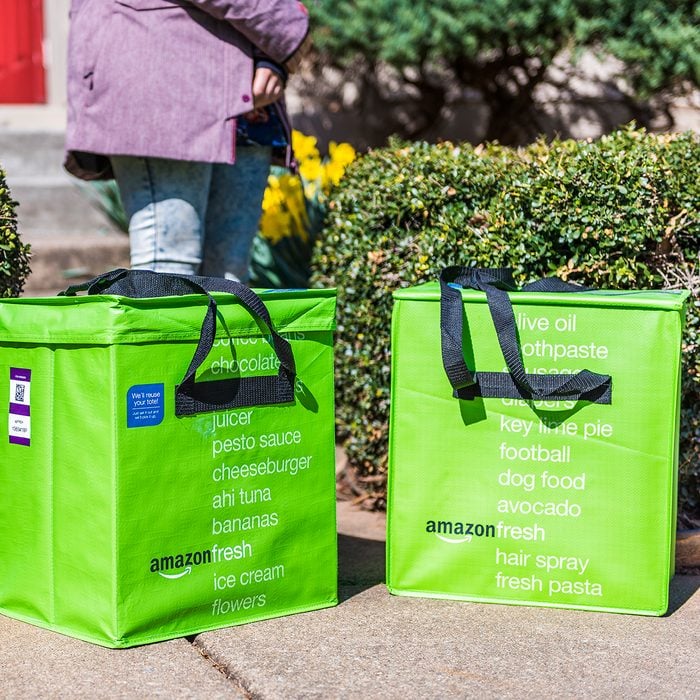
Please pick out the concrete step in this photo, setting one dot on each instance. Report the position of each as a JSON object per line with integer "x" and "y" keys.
{"x": 50, "y": 201}
{"x": 31, "y": 153}
{"x": 59, "y": 261}
{"x": 71, "y": 238}
{"x": 55, "y": 207}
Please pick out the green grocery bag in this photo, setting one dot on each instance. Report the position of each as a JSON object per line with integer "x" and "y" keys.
{"x": 533, "y": 443}
{"x": 170, "y": 461}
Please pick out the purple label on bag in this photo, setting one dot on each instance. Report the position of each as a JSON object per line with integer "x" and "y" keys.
{"x": 19, "y": 422}
{"x": 21, "y": 375}
{"x": 14, "y": 440}
{"x": 145, "y": 405}
{"x": 19, "y": 409}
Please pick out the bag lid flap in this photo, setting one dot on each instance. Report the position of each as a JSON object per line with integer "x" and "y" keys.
{"x": 661, "y": 299}
{"x": 109, "y": 319}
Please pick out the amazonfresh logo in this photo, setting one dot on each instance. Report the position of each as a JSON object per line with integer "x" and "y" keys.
{"x": 458, "y": 532}
{"x": 174, "y": 566}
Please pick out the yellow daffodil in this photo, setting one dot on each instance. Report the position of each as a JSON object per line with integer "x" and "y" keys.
{"x": 304, "y": 146}
{"x": 341, "y": 153}
{"x": 287, "y": 197}
{"x": 274, "y": 226}
{"x": 334, "y": 172}
{"x": 310, "y": 190}
{"x": 311, "y": 169}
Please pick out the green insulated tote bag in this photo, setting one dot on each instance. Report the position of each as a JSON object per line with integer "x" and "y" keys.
{"x": 533, "y": 443}
{"x": 169, "y": 464}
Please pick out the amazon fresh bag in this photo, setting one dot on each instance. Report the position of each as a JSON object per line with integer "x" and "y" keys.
{"x": 533, "y": 443}
{"x": 169, "y": 463}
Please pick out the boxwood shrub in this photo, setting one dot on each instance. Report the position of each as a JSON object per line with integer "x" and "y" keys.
{"x": 621, "y": 212}
{"x": 14, "y": 255}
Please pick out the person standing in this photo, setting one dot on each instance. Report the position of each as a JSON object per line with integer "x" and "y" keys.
{"x": 181, "y": 101}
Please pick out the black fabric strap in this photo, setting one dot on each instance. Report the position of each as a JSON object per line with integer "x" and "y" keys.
{"x": 197, "y": 397}
{"x": 502, "y": 386}
{"x": 496, "y": 283}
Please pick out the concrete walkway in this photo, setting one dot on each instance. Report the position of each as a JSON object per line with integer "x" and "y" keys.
{"x": 374, "y": 645}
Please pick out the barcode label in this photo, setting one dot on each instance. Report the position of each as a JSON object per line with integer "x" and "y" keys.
{"x": 19, "y": 393}
{"x": 19, "y": 424}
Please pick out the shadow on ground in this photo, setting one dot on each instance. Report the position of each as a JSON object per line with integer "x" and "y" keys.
{"x": 361, "y": 564}
{"x": 682, "y": 590}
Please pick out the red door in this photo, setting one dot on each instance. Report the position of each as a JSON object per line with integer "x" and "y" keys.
{"x": 21, "y": 55}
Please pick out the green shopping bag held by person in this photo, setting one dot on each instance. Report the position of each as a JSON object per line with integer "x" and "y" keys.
{"x": 534, "y": 442}
{"x": 169, "y": 466}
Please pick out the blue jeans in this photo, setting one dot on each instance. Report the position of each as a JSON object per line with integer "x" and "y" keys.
{"x": 193, "y": 218}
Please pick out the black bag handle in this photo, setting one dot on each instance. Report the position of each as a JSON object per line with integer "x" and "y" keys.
{"x": 197, "y": 397}
{"x": 516, "y": 383}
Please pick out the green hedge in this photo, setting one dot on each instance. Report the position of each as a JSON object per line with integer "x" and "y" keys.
{"x": 14, "y": 255}
{"x": 622, "y": 212}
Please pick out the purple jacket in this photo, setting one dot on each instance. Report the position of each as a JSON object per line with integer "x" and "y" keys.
{"x": 167, "y": 78}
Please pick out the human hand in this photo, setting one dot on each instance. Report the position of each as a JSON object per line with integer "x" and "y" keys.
{"x": 268, "y": 87}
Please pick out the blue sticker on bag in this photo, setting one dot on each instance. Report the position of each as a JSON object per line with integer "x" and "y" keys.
{"x": 145, "y": 405}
